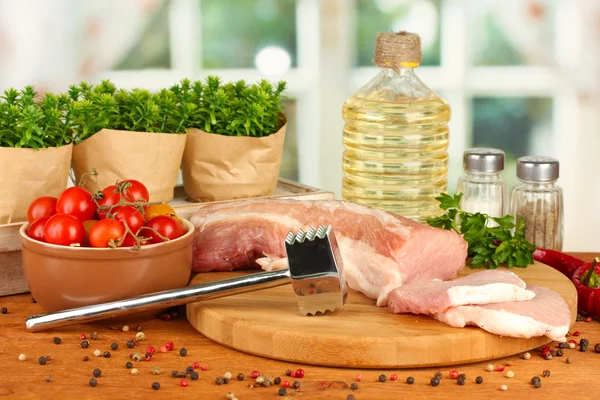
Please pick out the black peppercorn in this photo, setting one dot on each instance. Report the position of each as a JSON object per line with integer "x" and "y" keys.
{"x": 85, "y": 358}
{"x": 97, "y": 373}
{"x": 130, "y": 344}
{"x": 155, "y": 385}
{"x": 174, "y": 374}
{"x": 553, "y": 352}
{"x": 537, "y": 384}
{"x": 382, "y": 378}
{"x": 265, "y": 383}
{"x": 85, "y": 344}
{"x": 282, "y": 391}
{"x": 183, "y": 352}
{"x": 579, "y": 318}
{"x": 226, "y": 381}
{"x": 181, "y": 374}
{"x": 106, "y": 354}
{"x": 410, "y": 380}
{"x": 597, "y": 348}
{"x": 288, "y": 372}
{"x": 128, "y": 365}
{"x": 461, "y": 379}
{"x": 350, "y": 397}
{"x": 94, "y": 335}
{"x": 296, "y": 385}
{"x": 42, "y": 360}
{"x": 438, "y": 376}
{"x": 546, "y": 373}
{"x": 138, "y": 328}
{"x": 583, "y": 345}
{"x": 559, "y": 353}
{"x": 114, "y": 346}
{"x": 240, "y": 377}
{"x": 194, "y": 375}
{"x": 57, "y": 340}
{"x": 189, "y": 370}
{"x": 4, "y": 310}
{"x": 479, "y": 380}
{"x": 277, "y": 380}
{"x": 219, "y": 380}
{"x": 563, "y": 345}
{"x": 354, "y": 386}
{"x": 535, "y": 379}
{"x": 93, "y": 382}
{"x": 148, "y": 356}
{"x": 434, "y": 381}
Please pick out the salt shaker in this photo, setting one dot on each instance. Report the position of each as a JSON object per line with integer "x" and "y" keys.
{"x": 538, "y": 201}
{"x": 482, "y": 186}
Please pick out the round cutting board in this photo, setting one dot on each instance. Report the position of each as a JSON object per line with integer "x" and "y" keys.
{"x": 361, "y": 335}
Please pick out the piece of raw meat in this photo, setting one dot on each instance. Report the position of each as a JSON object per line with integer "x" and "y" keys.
{"x": 547, "y": 314}
{"x": 381, "y": 251}
{"x": 433, "y": 297}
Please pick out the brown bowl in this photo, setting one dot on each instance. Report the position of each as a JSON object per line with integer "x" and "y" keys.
{"x": 62, "y": 277}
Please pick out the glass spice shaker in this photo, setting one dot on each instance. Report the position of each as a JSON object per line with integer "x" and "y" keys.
{"x": 538, "y": 201}
{"x": 482, "y": 186}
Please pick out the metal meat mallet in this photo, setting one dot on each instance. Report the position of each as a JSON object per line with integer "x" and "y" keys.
{"x": 315, "y": 271}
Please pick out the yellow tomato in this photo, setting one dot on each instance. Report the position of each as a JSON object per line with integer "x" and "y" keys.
{"x": 154, "y": 210}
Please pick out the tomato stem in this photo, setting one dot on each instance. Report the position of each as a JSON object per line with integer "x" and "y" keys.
{"x": 164, "y": 238}
{"x": 92, "y": 172}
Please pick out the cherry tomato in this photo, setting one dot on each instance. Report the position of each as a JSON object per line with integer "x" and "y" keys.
{"x": 110, "y": 197}
{"x": 154, "y": 210}
{"x": 64, "y": 229}
{"x": 78, "y": 202}
{"x": 44, "y": 206}
{"x": 137, "y": 190}
{"x": 35, "y": 230}
{"x": 105, "y": 230}
{"x": 134, "y": 219}
{"x": 166, "y": 226}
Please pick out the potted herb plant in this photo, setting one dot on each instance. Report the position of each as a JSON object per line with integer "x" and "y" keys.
{"x": 131, "y": 134}
{"x": 235, "y": 140}
{"x": 35, "y": 149}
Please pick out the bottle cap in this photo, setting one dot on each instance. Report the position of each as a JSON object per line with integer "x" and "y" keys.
{"x": 483, "y": 160}
{"x": 537, "y": 168}
{"x": 393, "y": 48}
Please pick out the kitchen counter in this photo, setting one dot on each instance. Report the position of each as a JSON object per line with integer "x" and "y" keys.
{"x": 70, "y": 374}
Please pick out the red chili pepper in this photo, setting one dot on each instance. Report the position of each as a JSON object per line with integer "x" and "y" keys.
{"x": 561, "y": 262}
{"x": 588, "y": 298}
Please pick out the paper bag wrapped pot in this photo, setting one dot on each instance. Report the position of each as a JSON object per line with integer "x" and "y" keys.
{"x": 218, "y": 167}
{"x": 26, "y": 174}
{"x": 152, "y": 158}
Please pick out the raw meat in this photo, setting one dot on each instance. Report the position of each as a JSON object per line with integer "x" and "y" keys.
{"x": 547, "y": 314}
{"x": 380, "y": 251}
{"x": 433, "y": 297}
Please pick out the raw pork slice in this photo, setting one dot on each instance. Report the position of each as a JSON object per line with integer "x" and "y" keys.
{"x": 380, "y": 251}
{"x": 433, "y": 297}
{"x": 547, "y": 314}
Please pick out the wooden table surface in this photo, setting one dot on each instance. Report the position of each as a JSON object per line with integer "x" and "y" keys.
{"x": 70, "y": 374}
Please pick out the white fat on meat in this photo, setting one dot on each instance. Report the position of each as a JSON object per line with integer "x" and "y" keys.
{"x": 433, "y": 297}
{"x": 547, "y": 314}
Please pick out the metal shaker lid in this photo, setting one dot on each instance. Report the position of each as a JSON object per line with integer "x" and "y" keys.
{"x": 483, "y": 160}
{"x": 537, "y": 168}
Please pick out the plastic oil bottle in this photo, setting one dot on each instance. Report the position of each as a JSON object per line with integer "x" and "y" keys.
{"x": 396, "y": 135}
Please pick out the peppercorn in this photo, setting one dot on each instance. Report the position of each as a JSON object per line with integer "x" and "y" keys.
{"x": 4, "y": 310}
{"x": 265, "y": 383}
{"x": 106, "y": 354}
{"x": 479, "y": 380}
{"x": 94, "y": 335}
{"x": 22, "y": 357}
{"x": 288, "y": 372}
{"x": 438, "y": 376}
{"x": 194, "y": 375}
{"x": 359, "y": 377}
{"x": 277, "y": 381}
{"x": 282, "y": 391}
{"x": 85, "y": 344}
{"x": 583, "y": 345}
{"x": 183, "y": 383}
{"x": 48, "y": 378}
{"x": 571, "y": 345}
{"x": 57, "y": 340}
{"x": 510, "y": 374}
{"x": 240, "y": 377}
{"x": 137, "y": 356}
{"x": 125, "y": 328}
{"x": 490, "y": 367}
{"x": 227, "y": 375}
{"x": 504, "y": 388}
{"x": 140, "y": 336}
{"x": 42, "y": 360}
{"x": 410, "y": 380}
{"x": 85, "y": 358}
{"x": 219, "y": 380}
{"x": 559, "y": 353}
{"x": 597, "y": 348}
{"x": 254, "y": 374}
{"x": 170, "y": 346}
{"x": 393, "y": 377}
{"x": 526, "y": 356}
{"x": 93, "y": 382}
{"x": 134, "y": 371}
{"x": 569, "y": 360}
{"x": 537, "y": 384}
{"x": 563, "y": 345}
{"x": 130, "y": 344}
{"x": 462, "y": 376}
{"x": 461, "y": 379}
{"x": 354, "y": 386}
{"x": 97, "y": 373}
{"x": 350, "y": 397}
{"x": 138, "y": 328}
{"x": 546, "y": 373}
{"x": 155, "y": 385}
{"x": 225, "y": 380}
{"x": 548, "y": 356}
{"x": 535, "y": 379}
{"x": 382, "y": 378}
{"x": 434, "y": 381}
{"x": 588, "y": 319}
{"x": 97, "y": 353}
{"x": 553, "y": 352}
{"x": 114, "y": 346}
{"x": 183, "y": 352}
{"x": 296, "y": 385}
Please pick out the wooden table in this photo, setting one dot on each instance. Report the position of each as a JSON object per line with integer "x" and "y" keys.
{"x": 70, "y": 374}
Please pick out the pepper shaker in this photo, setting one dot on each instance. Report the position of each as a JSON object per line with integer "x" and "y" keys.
{"x": 538, "y": 200}
{"x": 482, "y": 186}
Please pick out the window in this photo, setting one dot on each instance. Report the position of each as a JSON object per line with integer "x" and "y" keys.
{"x": 501, "y": 65}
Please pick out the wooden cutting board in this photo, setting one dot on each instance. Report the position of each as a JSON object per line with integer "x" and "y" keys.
{"x": 361, "y": 335}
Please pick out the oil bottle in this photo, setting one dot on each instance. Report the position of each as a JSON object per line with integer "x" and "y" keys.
{"x": 396, "y": 135}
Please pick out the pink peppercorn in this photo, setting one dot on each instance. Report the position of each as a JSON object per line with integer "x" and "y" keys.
{"x": 285, "y": 384}
{"x": 393, "y": 377}
{"x": 82, "y": 336}
{"x": 196, "y": 364}
{"x": 170, "y": 346}
{"x": 588, "y": 319}
{"x": 183, "y": 383}
{"x": 293, "y": 374}
{"x": 163, "y": 349}
{"x": 204, "y": 367}
{"x": 254, "y": 374}
{"x": 151, "y": 350}
{"x": 299, "y": 373}
{"x": 576, "y": 333}
{"x": 359, "y": 377}
{"x": 323, "y": 384}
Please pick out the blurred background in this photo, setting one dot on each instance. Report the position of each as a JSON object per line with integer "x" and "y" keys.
{"x": 520, "y": 75}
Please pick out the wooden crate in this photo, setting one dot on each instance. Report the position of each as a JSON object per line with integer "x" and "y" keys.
{"x": 12, "y": 280}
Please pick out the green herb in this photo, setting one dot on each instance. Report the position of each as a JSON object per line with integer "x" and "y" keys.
{"x": 488, "y": 246}
{"x": 591, "y": 278}
{"x": 27, "y": 123}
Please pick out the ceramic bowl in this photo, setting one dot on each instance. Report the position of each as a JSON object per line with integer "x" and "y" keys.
{"x": 62, "y": 277}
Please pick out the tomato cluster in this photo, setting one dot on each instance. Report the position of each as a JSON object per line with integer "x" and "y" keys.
{"x": 118, "y": 216}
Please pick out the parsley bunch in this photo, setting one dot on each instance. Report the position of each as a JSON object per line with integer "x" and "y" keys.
{"x": 488, "y": 246}
{"x": 28, "y": 123}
